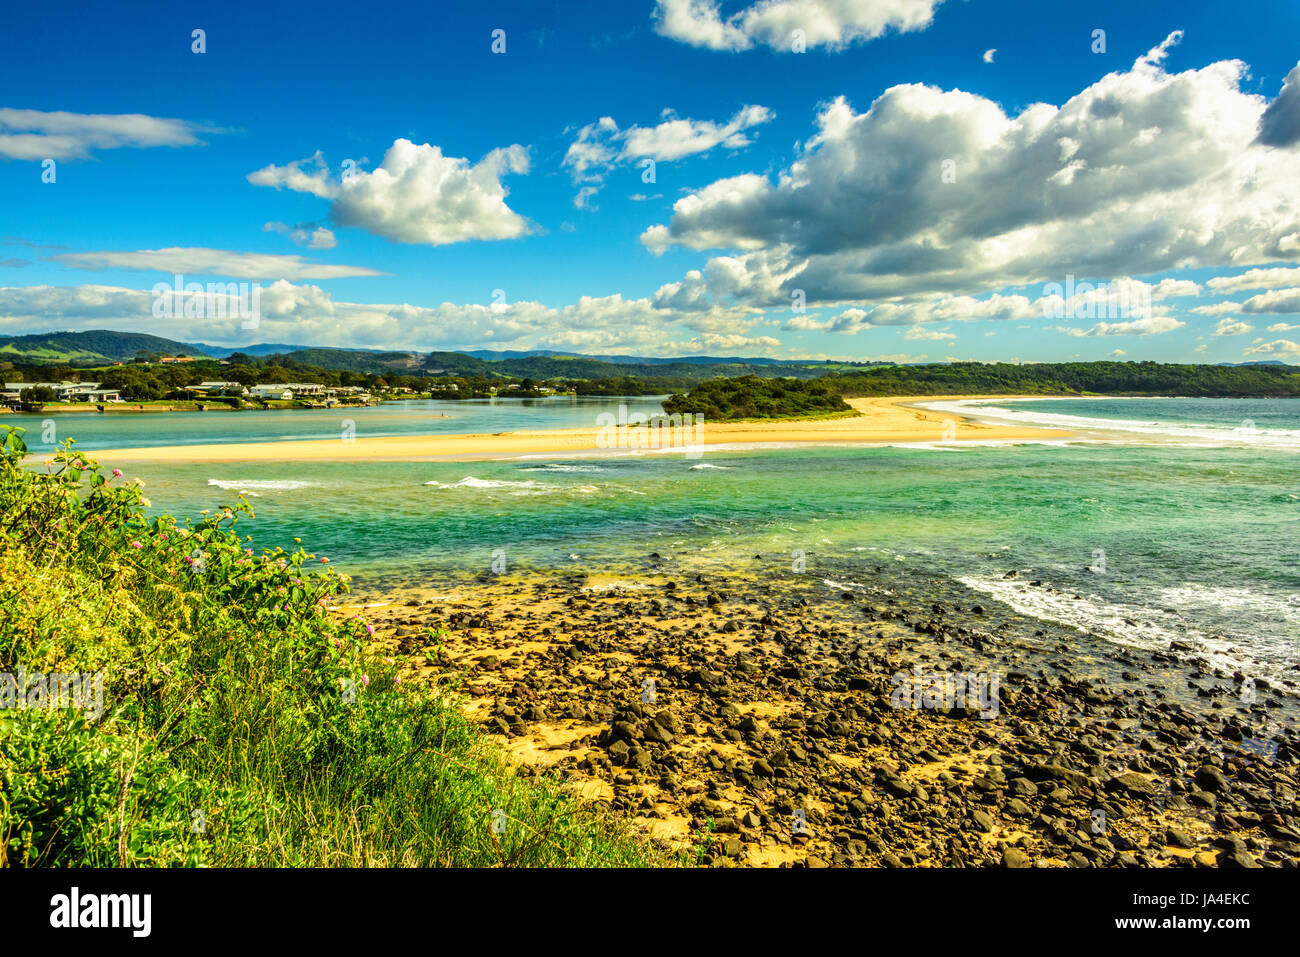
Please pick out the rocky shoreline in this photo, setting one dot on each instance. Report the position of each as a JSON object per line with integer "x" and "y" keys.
{"x": 769, "y": 719}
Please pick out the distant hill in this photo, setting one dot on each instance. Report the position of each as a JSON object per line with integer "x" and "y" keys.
{"x": 1261, "y": 362}
{"x": 101, "y": 347}
{"x": 89, "y": 348}
{"x": 493, "y": 354}
{"x": 258, "y": 349}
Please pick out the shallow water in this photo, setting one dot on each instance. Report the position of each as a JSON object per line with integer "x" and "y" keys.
{"x": 415, "y": 417}
{"x": 1136, "y": 544}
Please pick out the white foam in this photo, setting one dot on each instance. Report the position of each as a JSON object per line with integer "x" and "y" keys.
{"x": 1186, "y": 434}
{"x": 246, "y": 486}
{"x": 1140, "y": 626}
{"x": 562, "y": 468}
{"x": 528, "y": 487}
{"x": 1212, "y": 596}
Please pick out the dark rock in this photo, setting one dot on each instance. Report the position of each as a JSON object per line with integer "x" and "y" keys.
{"x": 1015, "y": 857}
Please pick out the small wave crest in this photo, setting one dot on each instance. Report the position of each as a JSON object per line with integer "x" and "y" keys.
{"x": 527, "y": 487}
{"x": 254, "y": 487}
{"x": 1134, "y": 625}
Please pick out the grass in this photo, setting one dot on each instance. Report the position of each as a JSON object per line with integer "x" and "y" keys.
{"x": 243, "y": 723}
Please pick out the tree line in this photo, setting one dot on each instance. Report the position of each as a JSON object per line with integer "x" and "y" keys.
{"x": 751, "y": 397}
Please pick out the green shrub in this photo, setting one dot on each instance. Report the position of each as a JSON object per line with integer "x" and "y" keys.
{"x": 243, "y": 723}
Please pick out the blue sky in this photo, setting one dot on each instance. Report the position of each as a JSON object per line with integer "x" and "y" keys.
{"x": 888, "y": 176}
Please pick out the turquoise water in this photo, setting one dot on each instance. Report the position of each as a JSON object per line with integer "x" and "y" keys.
{"x": 415, "y": 417}
{"x": 1262, "y": 422}
{"x": 1137, "y": 544}
{"x": 1229, "y": 413}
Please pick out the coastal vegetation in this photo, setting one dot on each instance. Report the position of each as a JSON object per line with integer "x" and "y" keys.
{"x": 751, "y": 397}
{"x": 1071, "y": 378}
{"x": 238, "y": 720}
{"x": 146, "y": 368}
{"x": 721, "y": 388}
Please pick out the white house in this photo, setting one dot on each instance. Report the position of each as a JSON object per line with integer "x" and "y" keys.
{"x": 221, "y": 388}
{"x": 83, "y": 394}
{"x": 272, "y": 391}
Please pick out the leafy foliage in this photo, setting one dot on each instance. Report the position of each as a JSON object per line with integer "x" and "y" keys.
{"x": 750, "y": 397}
{"x": 232, "y": 696}
{"x": 1101, "y": 378}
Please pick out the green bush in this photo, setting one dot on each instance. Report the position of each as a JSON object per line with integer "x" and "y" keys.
{"x": 243, "y": 722}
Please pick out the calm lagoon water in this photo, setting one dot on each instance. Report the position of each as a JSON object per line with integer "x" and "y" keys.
{"x": 416, "y": 417}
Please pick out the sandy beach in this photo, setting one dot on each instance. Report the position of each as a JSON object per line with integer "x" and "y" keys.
{"x": 882, "y": 420}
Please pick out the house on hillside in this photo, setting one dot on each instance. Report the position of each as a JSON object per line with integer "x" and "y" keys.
{"x": 278, "y": 390}
{"x": 219, "y": 388}
{"x": 90, "y": 393}
{"x": 64, "y": 391}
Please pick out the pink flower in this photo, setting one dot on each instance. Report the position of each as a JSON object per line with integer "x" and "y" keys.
{"x": 117, "y": 473}
{"x": 135, "y": 544}
{"x": 324, "y": 561}
{"x": 365, "y": 680}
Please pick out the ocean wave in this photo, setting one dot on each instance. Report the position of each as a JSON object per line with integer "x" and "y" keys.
{"x": 1240, "y": 599}
{"x": 707, "y": 465}
{"x": 527, "y": 487}
{"x": 1139, "y": 626}
{"x": 1187, "y": 434}
{"x": 562, "y": 468}
{"x": 246, "y": 486}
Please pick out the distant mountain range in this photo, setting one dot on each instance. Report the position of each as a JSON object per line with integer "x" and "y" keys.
{"x": 101, "y": 347}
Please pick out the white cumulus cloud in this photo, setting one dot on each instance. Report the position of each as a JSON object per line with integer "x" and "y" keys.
{"x": 1280, "y": 124}
{"x": 932, "y": 191}
{"x": 602, "y": 146}
{"x": 833, "y": 24}
{"x": 1232, "y": 327}
{"x": 416, "y": 195}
